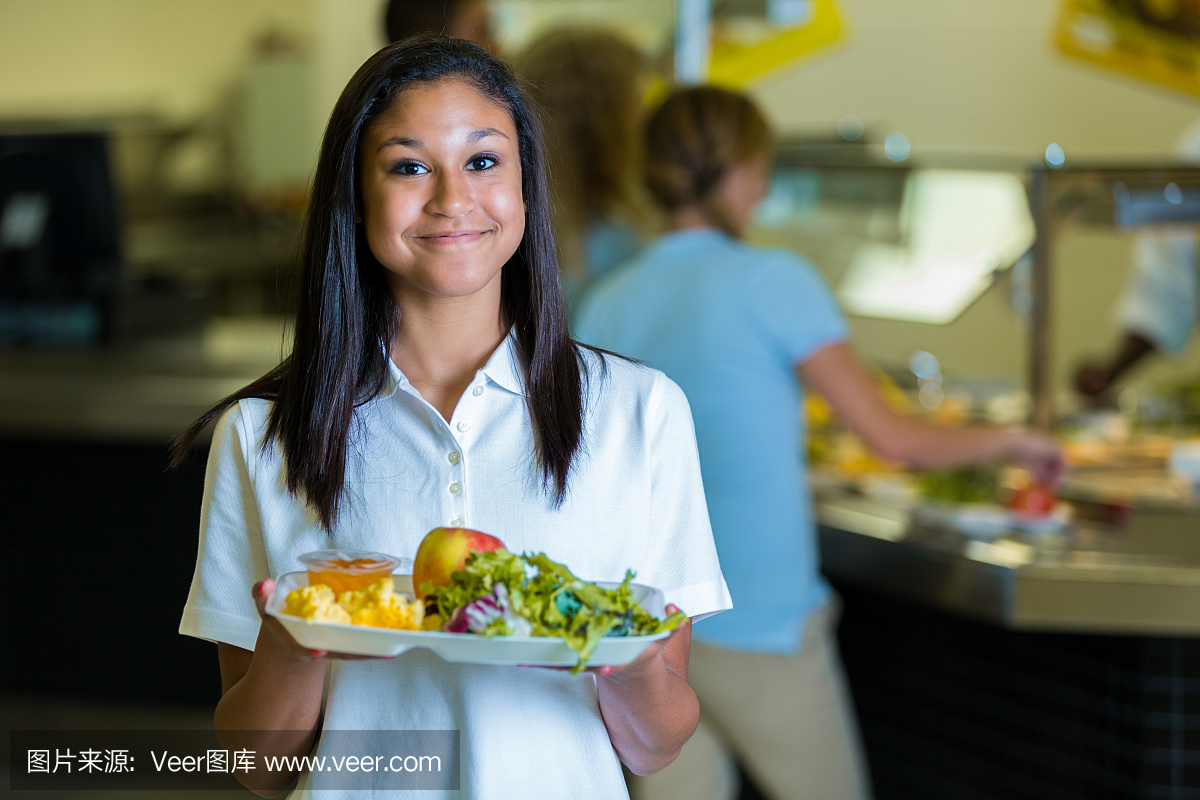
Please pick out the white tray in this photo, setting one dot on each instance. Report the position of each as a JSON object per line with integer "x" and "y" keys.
{"x": 466, "y": 648}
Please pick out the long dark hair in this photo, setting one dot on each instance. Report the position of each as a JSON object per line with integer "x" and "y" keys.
{"x": 347, "y": 316}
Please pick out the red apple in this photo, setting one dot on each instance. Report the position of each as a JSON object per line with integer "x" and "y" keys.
{"x": 444, "y": 551}
{"x": 1037, "y": 500}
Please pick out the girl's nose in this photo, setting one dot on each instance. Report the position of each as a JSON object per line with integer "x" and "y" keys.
{"x": 451, "y": 196}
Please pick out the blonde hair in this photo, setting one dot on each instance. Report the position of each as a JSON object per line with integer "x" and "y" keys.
{"x": 588, "y": 82}
{"x": 692, "y": 139}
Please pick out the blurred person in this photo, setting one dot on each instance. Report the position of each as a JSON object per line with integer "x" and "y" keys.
{"x": 590, "y": 84}
{"x": 740, "y": 328}
{"x": 1157, "y": 310}
{"x": 464, "y": 19}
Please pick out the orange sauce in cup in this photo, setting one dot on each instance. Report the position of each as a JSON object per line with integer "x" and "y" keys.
{"x": 347, "y": 570}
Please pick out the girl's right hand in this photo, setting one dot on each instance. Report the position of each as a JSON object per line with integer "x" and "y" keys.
{"x": 283, "y": 640}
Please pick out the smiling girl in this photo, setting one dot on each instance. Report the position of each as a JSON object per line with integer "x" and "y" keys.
{"x": 432, "y": 382}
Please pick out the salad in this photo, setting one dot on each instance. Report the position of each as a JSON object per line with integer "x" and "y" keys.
{"x": 498, "y": 593}
{"x": 970, "y": 484}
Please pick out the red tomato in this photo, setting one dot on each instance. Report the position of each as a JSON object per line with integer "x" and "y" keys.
{"x": 1037, "y": 500}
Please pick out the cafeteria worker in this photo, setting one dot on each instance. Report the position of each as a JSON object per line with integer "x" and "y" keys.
{"x": 740, "y": 329}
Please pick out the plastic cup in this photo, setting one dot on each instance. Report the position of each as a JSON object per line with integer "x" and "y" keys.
{"x": 349, "y": 570}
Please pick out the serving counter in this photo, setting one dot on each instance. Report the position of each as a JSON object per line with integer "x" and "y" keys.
{"x": 1140, "y": 578}
{"x": 142, "y": 393}
{"x": 84, "y": 445}
{"x": 1062, "y": 666}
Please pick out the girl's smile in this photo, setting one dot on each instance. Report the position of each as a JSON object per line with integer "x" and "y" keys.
{"x": 447, "y": 238}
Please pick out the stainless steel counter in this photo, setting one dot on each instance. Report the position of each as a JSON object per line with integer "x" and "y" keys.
{"x": 145, "y": 393}
{"x": 1141, "y": 578}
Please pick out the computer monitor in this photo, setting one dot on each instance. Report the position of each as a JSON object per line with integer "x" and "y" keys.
{"x": 60, "y": 251}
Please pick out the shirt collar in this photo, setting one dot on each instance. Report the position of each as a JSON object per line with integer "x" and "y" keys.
{"x": 502, "y": 368}
{"x": 688, "y": 239}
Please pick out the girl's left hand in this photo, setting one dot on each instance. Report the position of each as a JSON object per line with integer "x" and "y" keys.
{"x": 646, "y": 659}
{"x": 647, "y": 705}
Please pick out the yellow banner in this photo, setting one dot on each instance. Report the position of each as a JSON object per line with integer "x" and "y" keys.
{"x": 743, "y": 54}
{"x": 1156, "y": 40}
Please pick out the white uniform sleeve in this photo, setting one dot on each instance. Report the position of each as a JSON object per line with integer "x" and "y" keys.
{"x": 1159, "y": 301}
{"x": 231, "y": 557}
{"x": 683, "y": 555}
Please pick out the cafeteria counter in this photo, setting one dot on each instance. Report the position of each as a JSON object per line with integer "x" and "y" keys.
{"x": 1056, "y": 667}
{"x": 145, "y": 392}
{"x": 84, "y": 444}
{"x": 1140, "y": 578}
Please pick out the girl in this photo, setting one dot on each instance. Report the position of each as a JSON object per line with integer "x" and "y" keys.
{"x": 739, "y": 328}
{"x": 432, "y": 383}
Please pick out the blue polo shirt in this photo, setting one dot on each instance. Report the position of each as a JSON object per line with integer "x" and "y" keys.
{"x": 728, "y": 322}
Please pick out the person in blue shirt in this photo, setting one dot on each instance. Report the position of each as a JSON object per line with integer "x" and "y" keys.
{"x": 740, "y": 329}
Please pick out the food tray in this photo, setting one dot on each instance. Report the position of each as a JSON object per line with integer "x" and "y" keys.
{"x": 985, "y": 521}
{"x": 465, "y": 648}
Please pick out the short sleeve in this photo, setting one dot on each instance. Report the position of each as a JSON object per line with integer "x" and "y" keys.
{"x": 231, "y": 556}
{"x": 1159, "y": 302}
{"x": 683, "y": 556}
{"x": 793, "y": 302}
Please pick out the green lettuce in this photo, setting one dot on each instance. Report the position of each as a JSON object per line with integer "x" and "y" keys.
{"x": 555, "y": 602}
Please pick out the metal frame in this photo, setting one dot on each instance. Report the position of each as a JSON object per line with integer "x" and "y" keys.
{"x": 1081, "y": 195}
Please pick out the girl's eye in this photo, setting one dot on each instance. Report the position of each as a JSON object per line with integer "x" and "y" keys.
{"x": 481, "y": 163}
{"x": 409, "y": 168}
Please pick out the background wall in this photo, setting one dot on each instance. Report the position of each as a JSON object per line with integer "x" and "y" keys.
{"x": 976, "y": 78}
{"x": 982, "y": 79}
{"x": 105, "y": 57}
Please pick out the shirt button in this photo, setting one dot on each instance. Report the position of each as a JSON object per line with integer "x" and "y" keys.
{"x": 453, "y": 457}
{"x": 478, "y": 390}
{"x": 455, "y": 488}
{"x": 456, "y": 522}
{"x": 463, "y": 427}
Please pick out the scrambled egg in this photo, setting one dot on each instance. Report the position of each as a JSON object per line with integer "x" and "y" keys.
{"x": 377, "y": 605}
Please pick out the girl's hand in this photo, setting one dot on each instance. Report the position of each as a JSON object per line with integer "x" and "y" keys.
{"x": 649, "y": 660}
{"x": 644, "y": 660}
{"x": 281, "y": 638}
{"x": 647, "y": 706}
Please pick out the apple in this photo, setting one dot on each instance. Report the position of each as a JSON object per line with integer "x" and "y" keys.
{"x": 444, "y": 551}
{"x": 1037, "y": 500}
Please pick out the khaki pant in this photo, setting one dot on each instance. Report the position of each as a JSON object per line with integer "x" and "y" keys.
{"x": 788, "y": 720}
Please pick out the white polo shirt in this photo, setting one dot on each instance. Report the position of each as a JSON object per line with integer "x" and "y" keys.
{"x": 635, "y": 500}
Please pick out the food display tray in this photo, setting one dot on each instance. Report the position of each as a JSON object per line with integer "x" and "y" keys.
{"x": 466, "y": 648}
{"x": 985, "y": 521}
